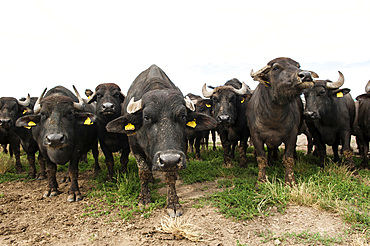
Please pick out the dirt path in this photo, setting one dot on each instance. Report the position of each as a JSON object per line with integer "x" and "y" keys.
{"x": 28, "y": 219}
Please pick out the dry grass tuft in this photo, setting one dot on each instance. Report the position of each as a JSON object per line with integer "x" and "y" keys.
{"x": 304, "y": 194}
{"x": 181, "y": 228}
{"x": 6, "y": 163}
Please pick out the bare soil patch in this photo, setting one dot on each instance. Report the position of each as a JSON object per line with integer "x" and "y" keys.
{"x": 28, "y": 219}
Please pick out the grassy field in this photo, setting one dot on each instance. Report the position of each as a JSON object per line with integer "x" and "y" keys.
{"x": 332, "y": 188}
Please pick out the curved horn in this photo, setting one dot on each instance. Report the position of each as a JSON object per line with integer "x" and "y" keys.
{"x": 367, "y": 87}
{"x": 262, "y": 70}
{"x": 242, "y": 90}
{"x": 80, "y": 105}
{"x": 133, "y": 106}
{"x": 337, "y": 84}
{"x": 37, "y": 107}
{"x": 206, "y": 93}
{"x": 189, "y": 104}
{"x": 25, "y": 103}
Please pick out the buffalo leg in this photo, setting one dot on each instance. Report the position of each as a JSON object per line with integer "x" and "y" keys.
{"x": 17, "y": 153}
{"x": 74, "y": 193}
{"x": 261, "y": 160}
{"x": 109, "y": 161}
{"x": 124, "y": 159}
{"x": 95, "y": 152}
{"x": 197, "y": 147}
{"x": 145, "y": 177}
{"x": 42, "y": 172}
{"x": 213, "y": 133}
{"x": 53, "y": 184}
{"x": 32, "y": 167}
{"x": 173, "y": 206}
{"x": 365, "y": 150}
{"x": 243, "y": 153}
{"x": 288, "y": 161}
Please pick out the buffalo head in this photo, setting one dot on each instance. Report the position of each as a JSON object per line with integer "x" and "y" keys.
{"x": 319, "y": 98}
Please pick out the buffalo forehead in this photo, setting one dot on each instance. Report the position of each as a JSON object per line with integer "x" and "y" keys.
{"x": 108, "y": 86}
{"x": 56, "y": 101}
{"x": 284, "y": 61}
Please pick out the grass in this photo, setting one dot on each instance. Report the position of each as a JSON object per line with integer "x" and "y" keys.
{"x": 332, "y": 188}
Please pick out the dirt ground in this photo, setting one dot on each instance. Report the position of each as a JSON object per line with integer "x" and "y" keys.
{"x": 28, "y": 219}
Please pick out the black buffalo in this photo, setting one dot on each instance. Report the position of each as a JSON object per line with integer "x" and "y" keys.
{"x": 330, "y": 114}
{"x": 63, "y": 133}
{"x": 109, "y": 99}
{"x": 229, "y": 107}
{"x": 155, "y": 116}
{"x": 10, "y": 110}
{"x": 363, "y": 125}
{"x": 275, "y": 111}
{"x": 194, "y": 137}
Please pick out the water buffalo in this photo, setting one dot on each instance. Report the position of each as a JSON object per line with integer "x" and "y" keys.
{"x": 155, "y": 115}
{"x": 201, "y": 106}
{"x": 63, "y": 133}
{"x": 109, "y": 98}
{"x": 229, "y": 107}
{"x": 275, "y": 111}
{"x": 363, "y": 125}
{"x": 330, "y": 114}
{"x": 10, "y": 110}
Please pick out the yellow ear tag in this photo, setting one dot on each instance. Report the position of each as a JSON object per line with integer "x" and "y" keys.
{"x": 129, "y": 127}
{"x": 25, "y": 111}
{"x": 340, "y": 94}
{"x": 88, "y": 121}
{"x": 30, "y": 124}
{"x": 208, "y": 105}
{"x": 192, "y": 124}
{"x": 242, "y": 100}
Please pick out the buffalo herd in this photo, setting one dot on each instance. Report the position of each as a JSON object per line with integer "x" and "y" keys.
{"x": 158, "y": 125}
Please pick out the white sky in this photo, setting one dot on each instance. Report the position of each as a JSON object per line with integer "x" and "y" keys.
{"x": 87, "y": 42}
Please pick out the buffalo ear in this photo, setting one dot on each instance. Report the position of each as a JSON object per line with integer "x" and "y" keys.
{"x": 85, "y": 118}
{"x": 28, "y": 121}
{"x": 200, "y": 122}
{"x": 340, "y": 92}
{"x": 127, "y": 124}
{"x": 362, "y": 97}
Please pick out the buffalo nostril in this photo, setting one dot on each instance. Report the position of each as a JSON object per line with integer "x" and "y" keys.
{"x": 4, "y": 122}
{"x": 108, "y": 106}
{"x": 169, "y": 159}
{"x": 223, "y": 118}
{"x": 305, "y": 76}
{"x": 55, "y": 140}
{"x": 309, "y": 114}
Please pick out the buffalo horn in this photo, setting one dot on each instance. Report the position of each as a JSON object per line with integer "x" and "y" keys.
{"x": 80, "y": 105}
{"x": 133, "y": 106}
{"x": 189, "y": 104}
{"x": 206, "y": 93}
{"x": 37, "y": 106}
{"x": 367, "y": 88}
{"x": 337, "y": 84}
{"x": 25, "y": 103}
{"x": 242, "y": 90}
{"x": 262, "y": 70}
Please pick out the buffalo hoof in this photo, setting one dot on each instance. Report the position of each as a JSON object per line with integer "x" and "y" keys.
{"x": 49, "y": 193}
{"x": 75, "y": 197}
{"x": 41, "y": 177}
{"x": 65, "y": 179}
{"x": 175, "y": 212}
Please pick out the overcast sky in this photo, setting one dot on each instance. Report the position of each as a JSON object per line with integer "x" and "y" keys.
{"x": 49, "y": 43}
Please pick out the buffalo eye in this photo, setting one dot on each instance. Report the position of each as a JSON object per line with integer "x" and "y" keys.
{"x": 232, "y": 98}
{"x": 99, "y": 95}
{"x": 116, "y": 94}
{"x": 183, "y": 117}
{"x": 146, "y": 118}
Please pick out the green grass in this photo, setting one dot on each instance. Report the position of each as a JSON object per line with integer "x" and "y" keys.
{"x": 332, "y": 188}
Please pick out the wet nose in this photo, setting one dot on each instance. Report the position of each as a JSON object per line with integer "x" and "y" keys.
{"x": 305, "y": 76}
{"x": 108, "y": 107}
{"x": 310, "y": 114}
{"x": 55, "y": 140}
{"x": 223, "y": 118}
{"x": 4, "y": 122}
